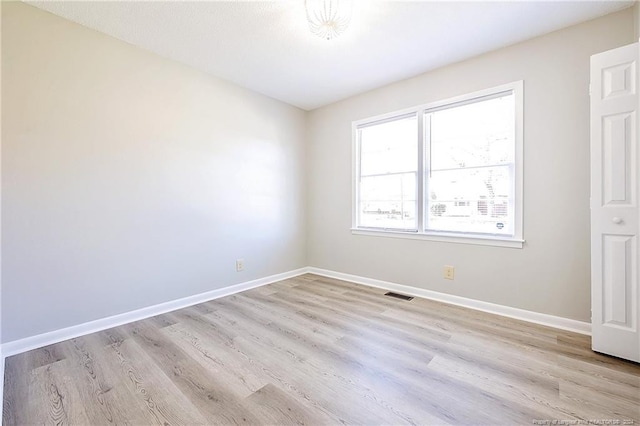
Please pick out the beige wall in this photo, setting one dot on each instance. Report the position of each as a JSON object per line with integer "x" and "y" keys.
{"x": 551, "y": 273}
{"x": 130, "y": 180}
{"x": 636, "y": 21}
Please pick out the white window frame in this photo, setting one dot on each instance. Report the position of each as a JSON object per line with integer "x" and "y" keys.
{"x": 515, "y": 241}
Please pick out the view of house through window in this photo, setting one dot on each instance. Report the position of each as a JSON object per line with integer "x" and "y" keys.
{"x": 470, "y": 184}
{"x": 388, "y": 173}
{"x": 448, "y": 168}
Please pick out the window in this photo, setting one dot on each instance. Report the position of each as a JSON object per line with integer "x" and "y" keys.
{"x": 450, "y": 171}
{"x": 388, "y": 174}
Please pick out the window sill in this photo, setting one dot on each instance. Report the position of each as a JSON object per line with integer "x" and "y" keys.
{"x": 442, "y": 237}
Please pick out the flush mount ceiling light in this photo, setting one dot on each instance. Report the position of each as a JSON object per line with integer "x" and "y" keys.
{"x": 328, "y": 18}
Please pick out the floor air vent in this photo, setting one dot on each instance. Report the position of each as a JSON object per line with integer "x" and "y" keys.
{"x": 398, "y": 296}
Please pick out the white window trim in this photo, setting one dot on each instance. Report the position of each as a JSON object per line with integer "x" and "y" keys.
{"x": 515, "y": 241}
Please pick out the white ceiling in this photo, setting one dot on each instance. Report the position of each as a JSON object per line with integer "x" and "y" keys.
{"x": 266, "y": 46}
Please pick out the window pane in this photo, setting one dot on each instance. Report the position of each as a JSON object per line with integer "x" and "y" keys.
{"x": 477, "y": 134}
{"x": 471, "y": 200}
{"x": 389, "y": 147}
{"x": 388, "y": 201}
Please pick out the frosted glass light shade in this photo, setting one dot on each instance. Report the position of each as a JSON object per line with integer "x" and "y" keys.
{"x": 328, "y": 18}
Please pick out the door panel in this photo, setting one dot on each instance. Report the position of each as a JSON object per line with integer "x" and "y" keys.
{"x": 614, "y": 203}
{"x": 617, "y": 149}
{"x": 619, "y": 80}
{"x": 618, "y": 307}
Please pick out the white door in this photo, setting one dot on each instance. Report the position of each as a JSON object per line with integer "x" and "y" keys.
{"x": 615, "y": 295}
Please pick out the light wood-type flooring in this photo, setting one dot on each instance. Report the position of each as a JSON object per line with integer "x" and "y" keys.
{"x": 313, "y": 350}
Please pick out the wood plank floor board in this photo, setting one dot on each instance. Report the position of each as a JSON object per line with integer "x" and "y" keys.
{"x": 101, "y": 384}
{"x": 57, "y": 389}
{"x": 162, "y": 398}
{"x": 16, "y": 387}
{"x": 307, "y": 360}
{"x": 319, "y": 350}
{"x": 339, "y": 300}
{"x": 410, "y": 381}
{"x": 355, "y": 322}
{"x": 492, "y": 326}
{"x": 500, "y": 357}
{"x": 491, "y": 323}
{"x": 301, "y": 379}
{"x": 410, "y": 370}
{"x": 285, "y": 312}
{"x": 477, "y": 333}
{"x": 605, "y": 375}
{"x": 510, "y": 389}
{"x": 230, "y": 368}
{"x": 469, "y": 355}
{"x": 319, "y": 280}
{"x": 612, "y": 388}
{"x": 111, "y": 336}
{"x": 602, "y": 402}
{"x": 221, "y": 334}
{"x": 276, "y": 407}
{"x": 313, "y": 350}
{"x": 292, "y": 319}
{"x": 410, "y": 328}
{"x": 197, "y": 383}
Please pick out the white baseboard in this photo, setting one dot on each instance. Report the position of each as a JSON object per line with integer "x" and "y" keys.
{"x": 505, "y": 311}
{"x": 40, "y": 340}
{"x": 44, "y": 339}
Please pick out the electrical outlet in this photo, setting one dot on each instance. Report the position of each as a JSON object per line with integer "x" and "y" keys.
{"x": 449, "y": 272}
{"x": 239, "y": 265}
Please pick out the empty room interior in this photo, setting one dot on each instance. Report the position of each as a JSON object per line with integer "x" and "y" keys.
{"x": 320, "y": 212}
